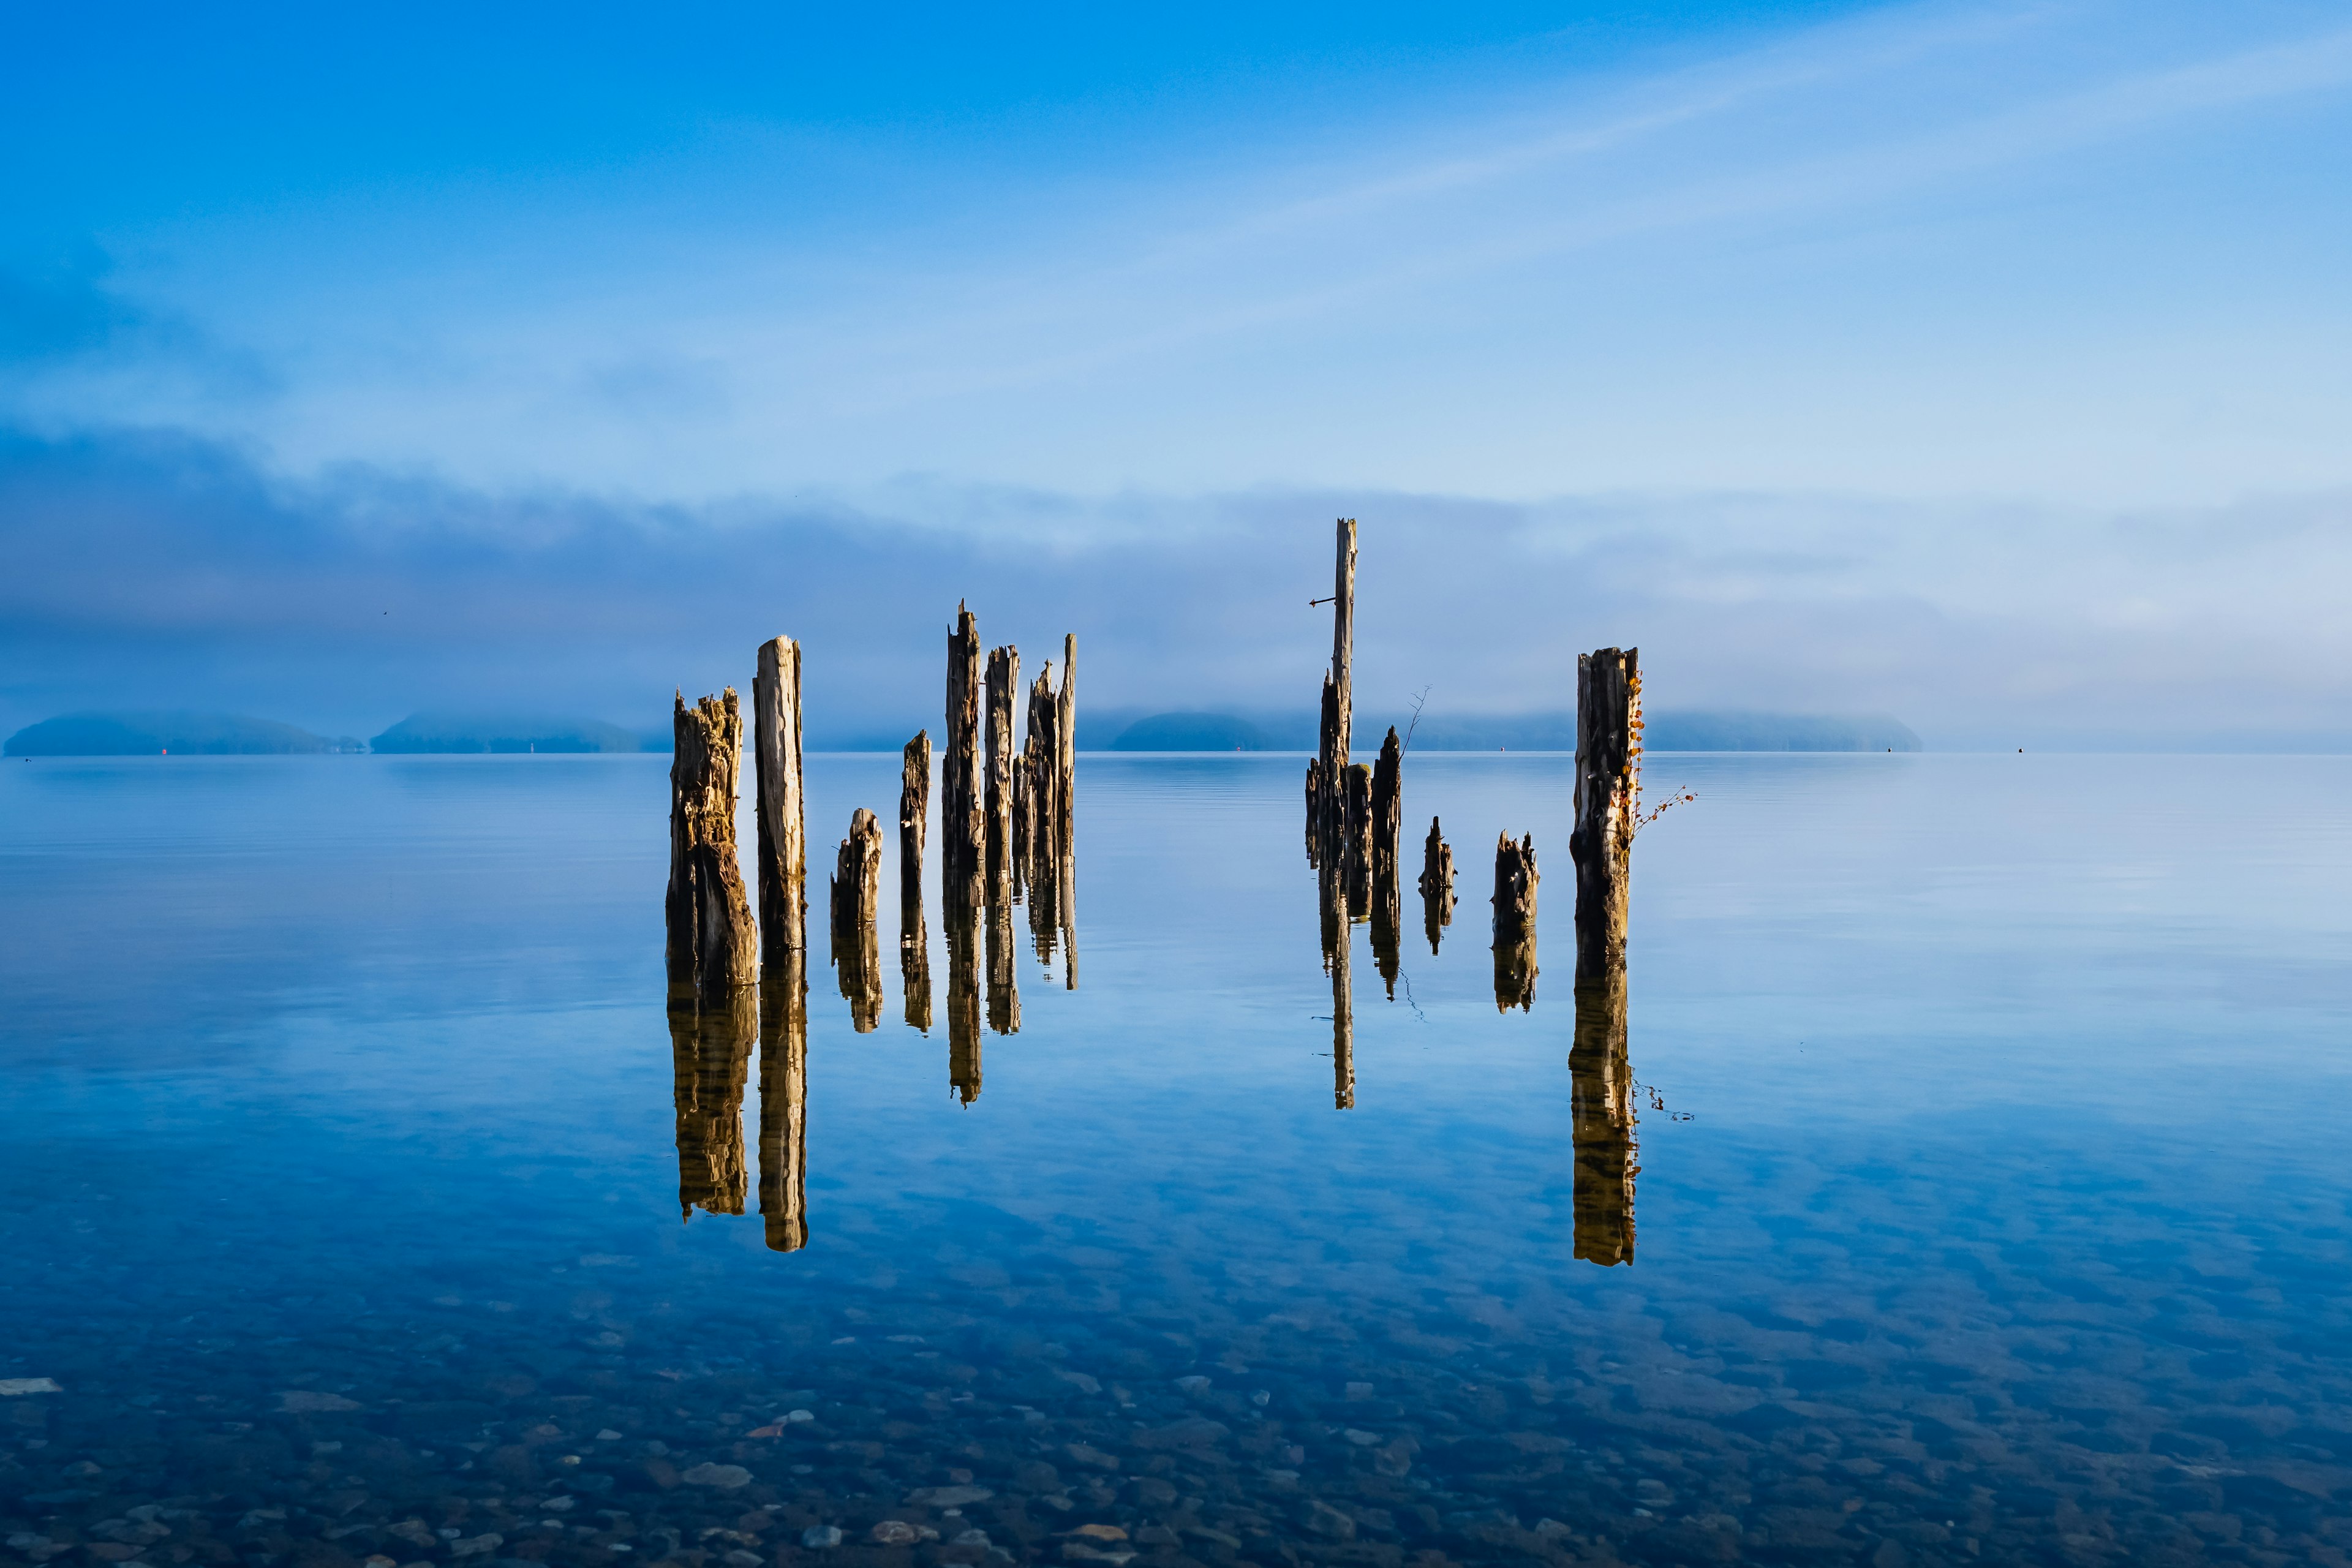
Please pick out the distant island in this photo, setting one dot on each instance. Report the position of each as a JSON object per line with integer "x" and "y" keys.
{"x": 454, "y": 731}
{"x": 132, "y": 734}
{"x": 1668, "y": 730}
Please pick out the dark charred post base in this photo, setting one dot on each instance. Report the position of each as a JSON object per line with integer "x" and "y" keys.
{"x": 963, "y": 815}
{"x": 711, "y": 1035}
{"x": 1514, "y": 923}
{"x": 713, "y": 944}
{"x": 1602, "y": 1101}
{"x": 783, "y": 836}
{"x": 856, "y": 889}
{"x": 1003, "y": 969}
{"x": 1436, "y": 884}
{"x": 1004, "y": 688}
{"x": 1388, "y": 807}
{"x": 1038, "y": 777}
{"x": 784, "y": 1103}
{"x": 963, "y": 1003}
{"x": 914, "y": 933}
{"x": 1608, "y": 782}
{"x": 1355, "y": 840}
{"x": 1315, "y": 808}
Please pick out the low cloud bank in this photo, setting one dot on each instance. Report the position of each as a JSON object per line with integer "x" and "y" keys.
{"x": 153, "y": 571}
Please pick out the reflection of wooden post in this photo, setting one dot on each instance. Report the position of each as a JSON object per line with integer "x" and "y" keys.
{"x": 1003, "y": 969}
{"x": 964, "y": 833}
{"x": 1436, "y": 884}
{"x": 1608, "y": 779}
{"x": 1343, "y": 1014}
{"x": 913, "y": 936}
{"x": 711, "y": 1035}
{"x": 1065, "y": 749}
{"x": 1601, "y": 1100}
{"x": 713, "y": 944}
{"x": 1514, "y": 923}
{"x": 1066, "y": 894}
{"x": 776, "y": 749}
{"x": 963, "y": 1004}
{"x": 856, "y": 890}
{"x": 783, "y": 1102}
{"x": 1003, "y": 684}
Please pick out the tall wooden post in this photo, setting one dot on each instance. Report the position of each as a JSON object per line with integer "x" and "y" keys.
{"x": 1004, "y": 685}
{"x": 856, "y": 890}
{"x": 1600, "y": 1088}
{"x": 1066, "y": 750}
{"x": 1327, "y": 781}
{"x": 714, "y": 943}
{"x": 914, "y": 935}
{"x": 776, "y": 750}
{"x": 1514, "y": 923}
{"x": 1436, "y": 884}
{"x": 1608, "y": 786}
{"x": 963, "y": 832}
{"x": 783, "y": 1102}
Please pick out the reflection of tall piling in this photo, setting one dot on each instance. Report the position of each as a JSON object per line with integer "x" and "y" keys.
{"x": 1602, "y": 1090}
{"x": 913, "y": 936}
{"x": 783, "y": 1102}
{"x": 713, "y": 944}
{"x": 1003, "y": 969}
{"x": 1003, "y": 687}
{"x": 711, "y": 1035}
{"x": 1514, "y": 923}
{"x": 964, "y": 1002}
{"x": 1436, "y": 884}
{"x": 963, "y": 817}
{"x": 1343, "y": 1002}
{"x": 1065, "y": 898}
{"x": 776, "y": 750}
{"x": 1608, "y": 784}
{"x": 856, "y": 889}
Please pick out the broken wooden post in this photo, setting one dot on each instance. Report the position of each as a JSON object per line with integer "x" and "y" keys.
{"x": 776, "y": 751}
{"x": 1004, "y": 683}
{"x": 856, "y": 890}
{"x": 1600, "y": 1090}
{"x": 1315, "y": 803}
{"x": 1514, "y": 923}
{"x": 913, "y": 936}
{"x": 1355, "y": 839}
{"x": 1339, "y": 689}
{"x": 711, "y": 1035}
{"x": 1038, "y": 773}
{"x": 783, "y": 1102}
{"x": 964, "y": 833}
{"x": 1436, "y": 884}
{"x": 713, "y": 942}
{"x": 1387, "y": 823}
{"x": 1608, "y": 784}
{"x": 1066, "y": 751}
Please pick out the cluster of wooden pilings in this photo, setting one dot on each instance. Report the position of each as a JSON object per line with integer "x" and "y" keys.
{"x": 1006, "y": 823}
{"x": 1354, "y": 815}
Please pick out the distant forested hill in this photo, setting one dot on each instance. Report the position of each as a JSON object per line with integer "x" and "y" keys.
{"x": 130, "y": 734}
{"x": 1668, "y": 730}
{"x": 504, "y": 732}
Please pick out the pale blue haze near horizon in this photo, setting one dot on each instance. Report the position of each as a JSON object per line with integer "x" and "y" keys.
{"x": 1981, "y": 364}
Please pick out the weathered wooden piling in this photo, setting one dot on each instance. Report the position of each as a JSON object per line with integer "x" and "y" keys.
{"x": 783, "y": 1102}
{"x": 1608, "y": 786}
{"x": 1036, "y": 823}
{"x": 1602, "y": 1120}
{"x": 713, "y": 943}
{"x": 710, "y": 1034}
{"x": 963, "y": 819}
{"x": 1066, "y": 750}
{"x": 1388, "y": 807}
{"x": 1355, "y": 839}
{"x": 856, "y": 890}
{"x": 1003, "y": 687}
{"x": 1514, "y": 923}
{"x": 1340, "y": 700}
{"x": 1315, "y": 806}
{"x": 776, "y": 752}
{"x": 1436, "y": 884}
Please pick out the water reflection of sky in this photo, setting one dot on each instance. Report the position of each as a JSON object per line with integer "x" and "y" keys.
{"x": 1989, "y": 1173}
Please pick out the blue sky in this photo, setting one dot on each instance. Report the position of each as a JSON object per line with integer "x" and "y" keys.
{"x": 1974, "y": 290}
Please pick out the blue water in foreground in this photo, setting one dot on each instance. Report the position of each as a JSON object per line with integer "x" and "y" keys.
{"x": 1990, "y": 1184}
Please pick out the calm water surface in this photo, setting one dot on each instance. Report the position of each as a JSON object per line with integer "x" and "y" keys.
{"x": 1990, "y": 1185}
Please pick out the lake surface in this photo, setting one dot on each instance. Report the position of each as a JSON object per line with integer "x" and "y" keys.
{"x": 1988, "y": 1191}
